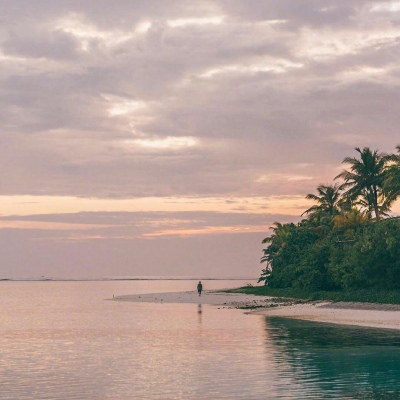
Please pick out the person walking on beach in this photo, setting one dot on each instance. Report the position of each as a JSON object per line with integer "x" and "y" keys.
{"x": 199, "y": 288}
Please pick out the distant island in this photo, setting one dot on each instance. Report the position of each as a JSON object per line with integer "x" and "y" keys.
{"x": 347, "y": 248}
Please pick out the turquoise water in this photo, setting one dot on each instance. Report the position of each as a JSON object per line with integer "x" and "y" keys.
{"x": 62, "y": 340}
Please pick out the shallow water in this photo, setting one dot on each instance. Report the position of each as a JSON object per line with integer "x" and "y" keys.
{"x": 62, "y": 340}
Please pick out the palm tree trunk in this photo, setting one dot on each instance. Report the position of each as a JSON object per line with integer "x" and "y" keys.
{"x": 375, "y": 203}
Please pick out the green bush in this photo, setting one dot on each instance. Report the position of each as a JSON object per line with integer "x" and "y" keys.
{"x": 367, "y": 256}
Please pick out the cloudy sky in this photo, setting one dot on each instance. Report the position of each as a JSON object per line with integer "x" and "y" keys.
{"x": 163, "y": 137}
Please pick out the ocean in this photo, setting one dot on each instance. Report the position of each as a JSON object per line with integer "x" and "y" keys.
{"x": 65, "y": 340}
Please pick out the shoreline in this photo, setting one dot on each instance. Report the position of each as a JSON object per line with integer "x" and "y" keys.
{"x": 372, "y": 315}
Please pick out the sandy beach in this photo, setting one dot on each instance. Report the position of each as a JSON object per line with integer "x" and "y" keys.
{"x": 385, "y": 316}
{"x": 359, "y": 314}
{"x": 207, "y": 297}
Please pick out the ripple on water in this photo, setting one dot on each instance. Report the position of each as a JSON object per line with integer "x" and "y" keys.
{"x": 67, "y": 343}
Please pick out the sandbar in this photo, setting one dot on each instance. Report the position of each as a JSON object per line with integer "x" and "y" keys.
{"x": 207, "y": 297}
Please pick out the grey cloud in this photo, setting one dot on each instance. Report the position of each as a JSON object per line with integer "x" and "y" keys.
{"x": 249, "y": 123}
{"x": 308, "y": 12}
{"x": 102, "y": 12}
{"x": 52, "y": 45}
{"x": 272, "y": 108}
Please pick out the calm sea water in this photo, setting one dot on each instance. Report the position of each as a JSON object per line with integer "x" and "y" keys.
{"x": 62, "y": 340}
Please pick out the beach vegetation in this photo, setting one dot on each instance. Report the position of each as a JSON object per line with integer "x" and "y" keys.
{"x": 364, "y": 179}
{"x": 387, "y": 296}
{"x": 329, "y": 200}
{"x": 392, "y": 177}
{"x": 349, "y": 241}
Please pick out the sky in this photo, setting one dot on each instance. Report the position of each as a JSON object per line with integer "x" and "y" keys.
{"x": 163, "y": 138}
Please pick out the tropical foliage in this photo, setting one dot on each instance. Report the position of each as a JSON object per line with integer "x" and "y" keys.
{"x": 348, "y": 241}
{"x": 392, "y": 177}
{"x": 364, "y": 181}
{"x": 329, "y": 200}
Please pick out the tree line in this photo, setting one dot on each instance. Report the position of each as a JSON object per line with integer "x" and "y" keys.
{"x": 347, "y": 239}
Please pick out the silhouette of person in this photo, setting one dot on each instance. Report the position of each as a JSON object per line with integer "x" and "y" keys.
{"x": 199, "y": 288}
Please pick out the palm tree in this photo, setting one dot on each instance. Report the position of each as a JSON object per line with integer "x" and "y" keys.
{"x": 364, "y": 180}
{"x": 351, "y": 219}
{"x": 328, "y": 200}
{"x": 276, "y": 241}
{"x": 392, "y": 180}
{"x": 265, "y": 274}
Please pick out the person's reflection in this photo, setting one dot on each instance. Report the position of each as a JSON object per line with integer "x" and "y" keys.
{"x": 199, "y": 313}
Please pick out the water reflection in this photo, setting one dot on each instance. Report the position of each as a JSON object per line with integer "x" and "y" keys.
{"x": 339, "y": 361}
{"x": 199, "y": 313}
{"x": 120, "y": 350}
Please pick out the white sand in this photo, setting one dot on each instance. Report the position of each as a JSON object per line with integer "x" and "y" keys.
{"x": 207, "y": 297}
{"x": 361, "y": 314}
